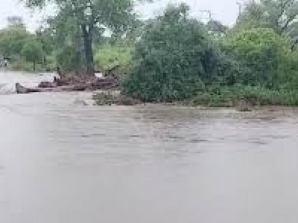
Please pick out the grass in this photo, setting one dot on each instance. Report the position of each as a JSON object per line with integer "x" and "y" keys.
{"x": 250, "y": 95}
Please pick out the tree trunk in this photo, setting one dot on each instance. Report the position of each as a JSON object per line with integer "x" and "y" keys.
{"x": 34, "y": 65}
{"x": 87, "y": 36}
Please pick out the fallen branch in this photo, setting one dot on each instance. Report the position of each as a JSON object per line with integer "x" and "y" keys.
{"x": 71, "y": 83}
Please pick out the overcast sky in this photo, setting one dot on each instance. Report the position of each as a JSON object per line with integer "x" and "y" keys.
{"x": 223, "y": 10}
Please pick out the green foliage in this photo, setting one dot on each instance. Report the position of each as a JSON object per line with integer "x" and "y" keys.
{"x": 70, "y": 62}
{"x": 262, "y": 54}
{"x": 279, "y": 15}
{"x": 174, "y": 57}
{"x": 21, "y": 47}
{"x": 112, "y": 14}
{"x": 32, "y": 52}
{"x": 251, "y": 95}
{"x": 12, "y": 40}
{"x": 89, "y": 18}
{"x": 63, "y": 35}
{"x": 114, "y": 57}
{"x": 62, "y": 39}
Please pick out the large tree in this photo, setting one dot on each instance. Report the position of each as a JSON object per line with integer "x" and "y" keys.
{"x": 89, "y": 15}
{"x": 280, "y": 15}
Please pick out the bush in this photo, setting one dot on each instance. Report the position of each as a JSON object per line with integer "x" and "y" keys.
{"x": 229, "y": 70}
{"x": 262, "y": 54}
{"x": 115, "y": 58}
{"x": 174, "y": 58}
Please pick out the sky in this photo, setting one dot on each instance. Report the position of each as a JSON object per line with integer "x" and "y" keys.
{"x": 223, "y": 10}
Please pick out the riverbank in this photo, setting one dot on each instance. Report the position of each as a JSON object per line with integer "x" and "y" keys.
{"x": 243, "y": 98}
{"x": 245, "y": 95}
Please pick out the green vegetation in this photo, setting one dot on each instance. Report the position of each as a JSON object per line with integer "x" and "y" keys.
{"x": 254, "y": 62}
{"x": 87, "y": 18}
{"x": 263, "y": 55}
{"x": 23, "y": 50}
{"x": 114, "y": 58}
{"x": 279, "y": 15}
{"x": 173, "y": 58}
{"x": 32, "y": 52}
{"x": 252, "y": 95}
{"x": 13, "y": 39}
{"x": 169, "y": 58}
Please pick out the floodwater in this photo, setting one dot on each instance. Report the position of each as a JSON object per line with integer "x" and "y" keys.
{"x": 62, "y": 162}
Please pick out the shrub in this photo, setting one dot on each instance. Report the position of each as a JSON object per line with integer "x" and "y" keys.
{"x": 263, "y": 56}
{"x": 251, "y": 95}
{"x": 175, "y": 57}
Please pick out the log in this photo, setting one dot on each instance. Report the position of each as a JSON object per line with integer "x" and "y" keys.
{"x": 71, "y": 84}
{"x": 23, "y": 90}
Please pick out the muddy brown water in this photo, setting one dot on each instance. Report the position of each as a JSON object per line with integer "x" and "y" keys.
{"x": 61, "y": 162}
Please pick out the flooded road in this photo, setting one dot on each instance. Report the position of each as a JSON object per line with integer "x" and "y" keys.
{"x": 63, "y": 162}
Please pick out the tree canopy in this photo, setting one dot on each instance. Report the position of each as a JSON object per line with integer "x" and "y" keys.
{"x": 115, "y": 16}
{"x": 262, "y": 54}
{"x": 13, "y": 38}
{"x": 279, "y": 15}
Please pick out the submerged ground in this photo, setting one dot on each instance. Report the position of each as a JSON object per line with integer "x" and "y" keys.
{"x": 62, "y": 162}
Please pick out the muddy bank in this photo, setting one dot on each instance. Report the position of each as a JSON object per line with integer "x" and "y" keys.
{"x": 110, "y": 94}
